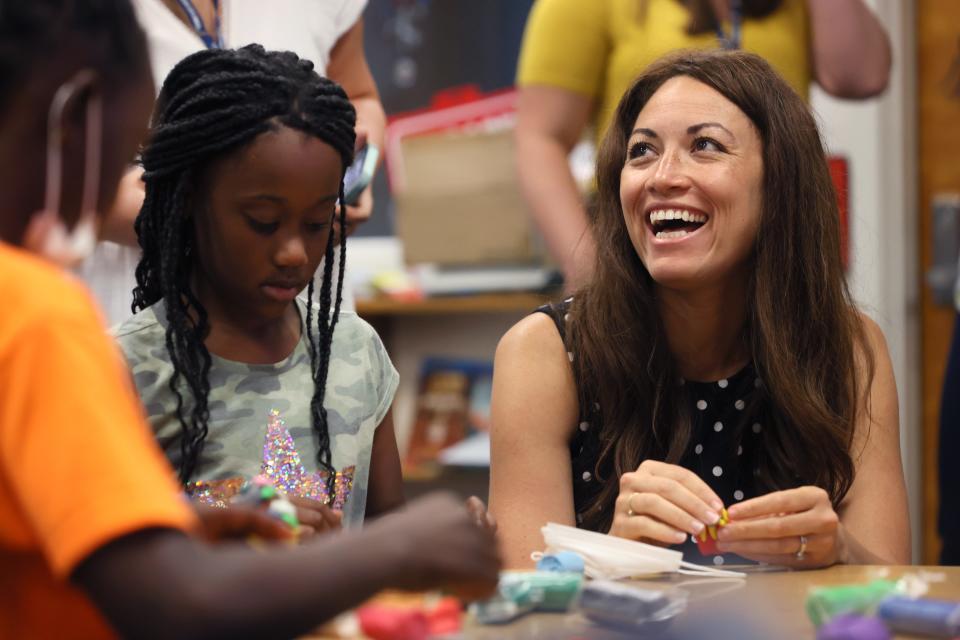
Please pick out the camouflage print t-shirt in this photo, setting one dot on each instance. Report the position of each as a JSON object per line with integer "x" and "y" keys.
{"x": 260, "y": 414}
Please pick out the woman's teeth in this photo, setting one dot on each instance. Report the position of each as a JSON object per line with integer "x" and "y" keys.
{"x": 672, "y": 234}
{"x": 676, "y": 214}
{"x": 675, "y": 223}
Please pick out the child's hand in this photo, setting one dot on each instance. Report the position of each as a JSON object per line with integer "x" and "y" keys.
{"x": 239, "y": 522}
{"x": 483, "y": 518}
{"x": 315, "y": 517}
{"x": 435, "y": 542}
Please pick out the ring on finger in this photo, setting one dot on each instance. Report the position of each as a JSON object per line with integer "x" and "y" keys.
{"x": 630, "y": 511}
{"x": 801, "y": 552}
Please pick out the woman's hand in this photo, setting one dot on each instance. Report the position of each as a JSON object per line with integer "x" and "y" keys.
{"x": 361, "y": 210}
{"x": 663, "y": 503}
{"x": 796, "y": 527}
{"x": 315, "y": 517}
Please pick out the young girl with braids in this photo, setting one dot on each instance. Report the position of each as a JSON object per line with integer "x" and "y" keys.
{"x": 240, "y": 375}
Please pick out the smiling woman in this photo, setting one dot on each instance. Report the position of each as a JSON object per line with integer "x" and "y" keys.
{"x": 717, "y": 360}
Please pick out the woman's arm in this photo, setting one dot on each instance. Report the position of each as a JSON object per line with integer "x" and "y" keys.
{"x": 874, "y": 519}
{"x": 534, "y": 411}
{"x": 385, "y": 489}
{"x": 871, "y": 526}
{"x": 117, "y": 224}
{"x": 348, "y": 67}
{"x": 851, "y": 50}
{"x": 550, "y": 121}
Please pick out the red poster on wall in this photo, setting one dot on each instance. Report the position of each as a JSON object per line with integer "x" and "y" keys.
{"x": 839, "y": 171}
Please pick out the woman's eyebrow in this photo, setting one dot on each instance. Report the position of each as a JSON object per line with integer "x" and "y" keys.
{"x": 650, "y": 133}
{"x": 693, "y": 129}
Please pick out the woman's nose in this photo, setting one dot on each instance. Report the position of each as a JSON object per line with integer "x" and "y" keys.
{"x": 670, "y": 176}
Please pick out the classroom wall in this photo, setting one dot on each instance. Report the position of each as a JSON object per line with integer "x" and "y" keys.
{"x": 879, "y": 139}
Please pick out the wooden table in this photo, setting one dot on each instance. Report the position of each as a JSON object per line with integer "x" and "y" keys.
{"x": 764, "y": 605}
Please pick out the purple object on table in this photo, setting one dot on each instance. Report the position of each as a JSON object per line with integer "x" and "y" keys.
{"x": 853, "y": 626}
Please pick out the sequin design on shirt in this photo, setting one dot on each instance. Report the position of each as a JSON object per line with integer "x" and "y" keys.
{"x": 281, "y": 463}
{"x": 283, "y": 466}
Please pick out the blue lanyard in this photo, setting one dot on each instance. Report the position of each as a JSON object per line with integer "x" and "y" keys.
{"x": 214, "y": 41}
{"x": 733, "y": 40}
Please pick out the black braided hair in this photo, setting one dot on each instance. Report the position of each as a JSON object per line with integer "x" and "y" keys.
{"x": 30, "y": 30}
{"x": 213, "y": 103}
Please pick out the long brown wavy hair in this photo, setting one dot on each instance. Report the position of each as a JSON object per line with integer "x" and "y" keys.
{"x": 803, "y": 330}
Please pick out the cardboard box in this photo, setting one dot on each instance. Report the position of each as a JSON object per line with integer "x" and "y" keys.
{"x": 452, "y": 172}
{"x": 461, "y": 203}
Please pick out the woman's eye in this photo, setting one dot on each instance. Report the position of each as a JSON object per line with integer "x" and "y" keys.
{"x": 638, "y": 150}
{"x": 707, "y": 144}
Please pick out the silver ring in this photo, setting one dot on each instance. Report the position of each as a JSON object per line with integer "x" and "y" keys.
{"x": 803, "y": 548}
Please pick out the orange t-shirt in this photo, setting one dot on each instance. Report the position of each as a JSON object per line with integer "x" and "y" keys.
{"x": 78, "y": 465}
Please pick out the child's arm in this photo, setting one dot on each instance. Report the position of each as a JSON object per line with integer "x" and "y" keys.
{"x": 162, "y": 584}
{"x": 385, "y": 488}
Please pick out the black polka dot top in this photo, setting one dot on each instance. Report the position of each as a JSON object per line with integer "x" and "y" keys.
{"x": 727, "y": 418}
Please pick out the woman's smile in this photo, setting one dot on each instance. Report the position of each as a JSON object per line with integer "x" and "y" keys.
{"x": 672, "y": 224}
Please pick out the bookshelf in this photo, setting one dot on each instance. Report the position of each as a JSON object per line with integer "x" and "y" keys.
{"x": 383, "y": 307}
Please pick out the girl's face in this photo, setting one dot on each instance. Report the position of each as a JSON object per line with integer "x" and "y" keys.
{"x": 264, "y": 229}
{"x": 691, "y": 185}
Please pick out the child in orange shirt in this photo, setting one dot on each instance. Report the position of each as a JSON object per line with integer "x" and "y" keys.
{"x": 94, "y": 537}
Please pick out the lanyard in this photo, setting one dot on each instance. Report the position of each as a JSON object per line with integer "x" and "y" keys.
{"x": 214, "y": 41}
{"x": 733, "y": 40}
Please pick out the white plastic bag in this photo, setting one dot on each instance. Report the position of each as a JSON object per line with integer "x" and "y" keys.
{"x": 615, "y": 558}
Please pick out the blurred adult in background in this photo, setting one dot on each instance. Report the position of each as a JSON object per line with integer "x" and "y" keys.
{"x": 578, "y": 58}
{"x": 949, "y": 476}
{"x": 328, "y": 33}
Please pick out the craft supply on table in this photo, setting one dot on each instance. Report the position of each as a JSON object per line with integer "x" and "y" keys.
{"x": 921, "y": 616}
{"x": 563, "y": 561}
{"x": 853, "y": 611}
{"x": 612, "y": 558}
{"x": 823, "y": 603}
{"x": 391, "y": 622}
{"x": 707, "y": 539}
{"x": 260, "y": 492}
{"x": 853, "y": 626}
{"x": 519, "y": 593}
{"x": 623, "y": 605}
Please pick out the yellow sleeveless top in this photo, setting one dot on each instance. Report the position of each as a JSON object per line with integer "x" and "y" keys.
{"x": 598, "y": 47}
